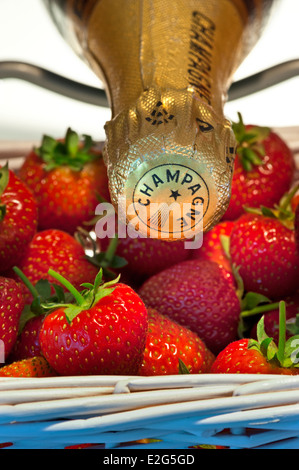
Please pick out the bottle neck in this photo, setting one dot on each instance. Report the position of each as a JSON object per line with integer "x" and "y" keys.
{"x": 134, "y": 45}
{"x": 167, "y": 66}
{"x": 138, "y": 45}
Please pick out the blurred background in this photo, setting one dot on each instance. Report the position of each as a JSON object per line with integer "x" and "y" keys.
{"x": 27, "y": 111}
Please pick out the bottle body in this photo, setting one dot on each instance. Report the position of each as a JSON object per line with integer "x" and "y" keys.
{"x": 167, "y": 67}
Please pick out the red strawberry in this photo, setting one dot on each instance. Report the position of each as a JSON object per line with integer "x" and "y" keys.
{"x": 106, "y": 258}
{"x": 271, "y": 319}
{"x": 213, "y": 249}
{"x": 5, "y": 444}
{"x": 168, "y": 343}
{"x": 295, "y": 201}
{"x": 264, "y": 169}
{"x": 262, "y": 246}
{"x": 11, "y": 305}
{"x": 84, "y": 446}
{"x": 27, "y": 343}
{"x": 67, "y": 177}
{"x": 147, "y": 256}
{"x": 45, "y": 298}
{"x": 32, "y": 367}
{"x": 60, "y": 251}
{"x": 18, "y": 218}
{"x": 103, "y": 333}
{"x": 297, "y": 227}
{"x": 240, "y": 358}
{"x": 261, "y": 356}
{"x": 196, "y": 294}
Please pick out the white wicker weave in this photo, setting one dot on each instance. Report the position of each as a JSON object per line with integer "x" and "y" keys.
{"x": 233, "y": 410}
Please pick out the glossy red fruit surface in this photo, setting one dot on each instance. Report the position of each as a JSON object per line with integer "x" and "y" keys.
{"x": 106, "y": 338}
{"x": 265, "y": 252}
{"x": 263, "y": 171}
{"x": 167, "y": 343}
{"x": 18, "y": 219}
{"x": 196, "y": 294}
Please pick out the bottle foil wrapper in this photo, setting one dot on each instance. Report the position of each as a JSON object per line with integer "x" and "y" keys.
{"x": 170, "y": 152}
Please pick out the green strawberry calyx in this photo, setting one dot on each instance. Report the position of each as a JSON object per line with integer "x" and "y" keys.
{"x": 70, "y": 152}
{"x": 183, "y": 369}
{"x": 87, "y": 298}
{"x": 107, "y": 260}
{"x": 250, "y": 148}
{"x": 282, "y": 211}
{"x": 4, "y": 178}
{"x": 286, "y": 353}
{"x": 45, "y": 297}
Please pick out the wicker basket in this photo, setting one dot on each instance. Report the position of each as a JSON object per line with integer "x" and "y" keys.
{"x": 169, "y": 412}
{"x": 177, "y": 412}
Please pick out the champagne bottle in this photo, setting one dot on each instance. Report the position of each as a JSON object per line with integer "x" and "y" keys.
{"x": 167, "y": 66}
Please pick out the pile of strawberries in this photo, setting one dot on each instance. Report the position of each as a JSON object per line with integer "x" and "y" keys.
{"x": 74, "y": 304}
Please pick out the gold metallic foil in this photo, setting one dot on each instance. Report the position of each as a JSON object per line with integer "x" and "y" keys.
{"x": 167, "y": 66}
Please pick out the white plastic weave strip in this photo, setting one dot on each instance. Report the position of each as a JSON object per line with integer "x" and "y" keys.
{"x": 233, "y": 410}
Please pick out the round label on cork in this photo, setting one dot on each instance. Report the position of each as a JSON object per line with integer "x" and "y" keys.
{"x": 168, "y": 197}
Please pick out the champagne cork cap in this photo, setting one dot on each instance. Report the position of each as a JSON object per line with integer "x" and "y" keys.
{"x": 170, "y": 163}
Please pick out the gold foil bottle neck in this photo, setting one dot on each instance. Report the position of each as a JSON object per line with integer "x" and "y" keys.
{"x": 167, "y": 66}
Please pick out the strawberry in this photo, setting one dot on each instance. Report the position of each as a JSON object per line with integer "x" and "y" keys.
{"x": 18, "y": 218}
{"x": 264, "y": 169}
{"x": 102, "y": 332}
{"x": 261, "y": 356}
{"x": 146, "y": 256}
{"x": 84, "y": 446}
{"x": 297, "y": 227}
{"x": 32, "y": 367}
{"x": 196, "y": 294}
{"x": 11, "y": 305}
{"x": 66, "y": 176}
{"x": 168, "y": 343}
{"x": 5, "y": 444}
{"x": 271, "y": 318}
{"x": 295, "y": 200}
{"x": 262, "y": 246}
{"x": 44, "y": 294}
{"x": 60, "y": 251}
{"x": 213, "y": 247}
{"x": 106, "y": 259}
{"x": 27, "y": 343}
